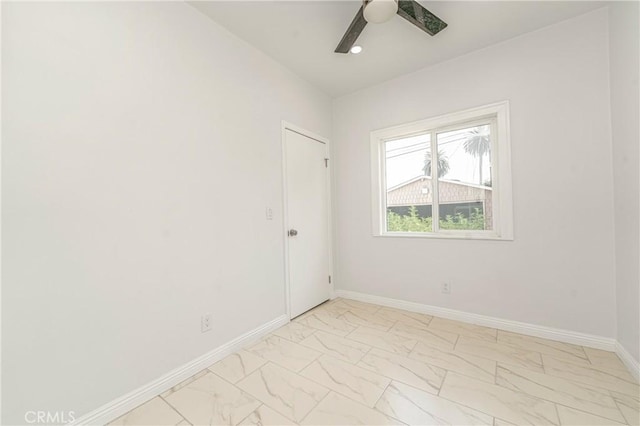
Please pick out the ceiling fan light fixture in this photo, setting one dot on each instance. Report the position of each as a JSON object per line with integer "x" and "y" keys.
{"x": 356, "y": 49}
{"x": 379, "y": 11}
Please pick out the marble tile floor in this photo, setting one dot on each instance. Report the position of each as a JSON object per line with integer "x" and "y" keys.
{"x": 347, "y": 363}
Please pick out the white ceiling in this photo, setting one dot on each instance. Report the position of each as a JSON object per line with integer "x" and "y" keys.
{"x": 302, "y": 35}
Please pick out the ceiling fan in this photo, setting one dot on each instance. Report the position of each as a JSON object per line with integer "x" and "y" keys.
{"x": 378, "y": 11}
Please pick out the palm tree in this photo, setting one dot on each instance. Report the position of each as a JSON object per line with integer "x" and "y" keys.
{"x": 443, "y": 164}
{"x": 477, "y": 143}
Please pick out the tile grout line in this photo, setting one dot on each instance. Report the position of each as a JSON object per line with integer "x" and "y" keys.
{"x": 355, "y": 402}
{"x": 376, "y": 330}
{"x": 366, "y": 353}
{"x": 590, "y": 366}
{"x": 368, "y": 322}
{"x": 360, "y": 402}
{"x": 587, "y": 356}
{"x": 520, "y": 392}
{"x": 245, "y": 376}
{"x": 133, "y": 409}
{"x": 257, "y": 408}
{"x": 208, "y": 371}
{"x": 353, "y": 365}
{"x": 457, "y": 402}
{"x": 388, "y": 415}
{"x": 382, "y": 393}
{"x": 249, "y": 393}
{"x": 421, "y": 338}
{"x": 313, "y": 331}
{"x": 495, "y": 374}
{"x": 392, "y": 379}
{"x": 442, "y": 384}
{"x": 296, "y": 344}
{"x": 588, "y": 413}
{"x": 321, "y": 385}
{"x": 393, "y": 322}
{"x": 265, "y": 404}
{"x": 414, "y": 345}
{"x": 369, "y": 347}
{"x": 522, "y": 347}
{"x": 496, "y": 361}
{"x": 556, "y": 403}
{"x": 315, "y": 406}
{"x": 582, "y": 410}
{"x": 408, "y": 356}
{"x": 391, "y": 417}
{"x": 333, "y": 331}
{"x": 555, "y": 406}
{"x": 541, "y": 362}
{"x": 174, "y": 408}
{"x": 618, "y": 406}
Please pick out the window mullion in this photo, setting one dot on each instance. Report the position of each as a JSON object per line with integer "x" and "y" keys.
{"x": 435, "y": 209}
{"x": 382, "y": 173}
{"x": 495, "y": 179}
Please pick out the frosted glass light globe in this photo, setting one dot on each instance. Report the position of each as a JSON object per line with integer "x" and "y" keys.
{"x": 379, "y": 11}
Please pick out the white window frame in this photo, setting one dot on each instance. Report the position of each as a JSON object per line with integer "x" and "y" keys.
{"x": 497, "y": 115}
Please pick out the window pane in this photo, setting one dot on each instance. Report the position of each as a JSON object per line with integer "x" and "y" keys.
{"x": 464, "y": 179}
{"x": 409, "y": 190}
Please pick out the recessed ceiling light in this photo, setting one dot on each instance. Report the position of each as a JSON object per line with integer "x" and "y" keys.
{"x": 356, "y": 49}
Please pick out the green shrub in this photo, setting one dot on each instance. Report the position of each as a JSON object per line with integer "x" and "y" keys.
{"x": 414, "y": 223}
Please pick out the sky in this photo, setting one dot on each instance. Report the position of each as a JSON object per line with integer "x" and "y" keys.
{"x": 405, "y": 157}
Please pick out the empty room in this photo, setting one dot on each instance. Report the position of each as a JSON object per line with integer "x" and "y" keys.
{"x": 403, "y": 212}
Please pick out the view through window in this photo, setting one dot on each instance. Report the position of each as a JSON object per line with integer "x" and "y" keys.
{"x": 462, "y": 194}
{"x": 447, "y": 176}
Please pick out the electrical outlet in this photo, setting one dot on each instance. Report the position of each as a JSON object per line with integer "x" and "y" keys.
{"x": 446, "y": 288}
{"x": 205, "y": 323}
{"x": 269, "y": 213}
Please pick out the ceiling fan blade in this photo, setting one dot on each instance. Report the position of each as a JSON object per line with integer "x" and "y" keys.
{"x": 354, "y": 30}
{"x": 413, "y": 12}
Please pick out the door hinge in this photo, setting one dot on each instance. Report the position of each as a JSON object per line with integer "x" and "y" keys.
{"x": 329, "y": 279}
{"x": 326, "y": 162}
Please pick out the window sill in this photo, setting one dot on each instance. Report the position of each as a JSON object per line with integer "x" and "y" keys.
{"x": 446, "y": 236}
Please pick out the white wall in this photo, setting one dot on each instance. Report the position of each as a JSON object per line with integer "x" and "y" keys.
{"x": 559, "y": 271}
{"x": 624, "y": 20}
{"x": 141, "y": 144}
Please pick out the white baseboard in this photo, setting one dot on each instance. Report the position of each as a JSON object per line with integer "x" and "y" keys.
{"x": 550, "y": 333}
{"x": 126, "y": 403}
{"x": 632, "y": 364}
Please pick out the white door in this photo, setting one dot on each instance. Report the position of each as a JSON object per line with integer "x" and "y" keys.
{"x": 307, "y": 221}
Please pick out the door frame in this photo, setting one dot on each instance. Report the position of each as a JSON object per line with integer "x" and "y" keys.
{"x": 285, "y": 209}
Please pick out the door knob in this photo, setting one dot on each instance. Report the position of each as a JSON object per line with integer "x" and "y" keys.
{"x": 292, "y": 232}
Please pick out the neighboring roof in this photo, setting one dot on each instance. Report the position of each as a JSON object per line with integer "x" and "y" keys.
{"x": 410, "y": 193}
{"x": 423, "y": 177}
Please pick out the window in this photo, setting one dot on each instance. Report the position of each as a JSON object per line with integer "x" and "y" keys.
{"x": 444, "y": 177}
